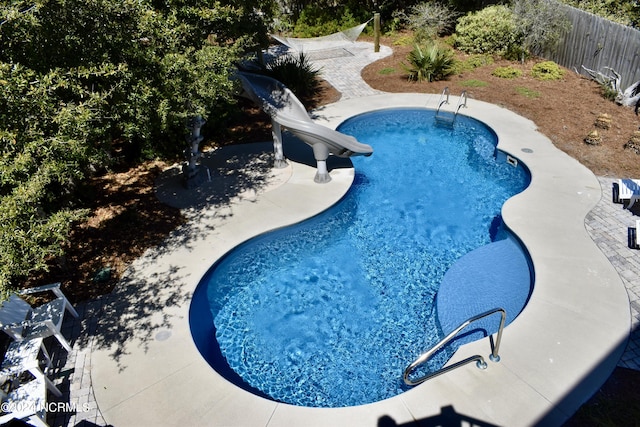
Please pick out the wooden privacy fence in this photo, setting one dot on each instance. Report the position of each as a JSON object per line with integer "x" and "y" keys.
{"x": 597, "y": 43}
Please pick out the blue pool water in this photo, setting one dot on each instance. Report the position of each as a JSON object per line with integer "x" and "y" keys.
{"x": 329, "y": 312}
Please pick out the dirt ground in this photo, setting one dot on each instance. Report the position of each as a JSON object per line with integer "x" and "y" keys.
{"x": 127, "y": 218}
{"x": 564, "y": 110}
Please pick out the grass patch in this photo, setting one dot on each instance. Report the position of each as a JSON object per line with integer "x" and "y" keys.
{"x": 474, "y": 83}
{"x": 386, "y": 71}
{"x": 528, "y": 93}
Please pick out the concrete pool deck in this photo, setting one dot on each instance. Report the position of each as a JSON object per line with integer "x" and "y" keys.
{"x": 142, "y": 367}
{"x": 560, "y": 349}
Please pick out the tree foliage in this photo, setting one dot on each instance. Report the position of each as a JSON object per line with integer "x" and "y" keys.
{"x": 77, "y": 76}
{"x": 294, "y": 8}
{"x": 50, "y": 138}
{"x": 317, "y": 21}
{"x": 625, "y": 12}
{"x": 541, "y": 24}
{"x": 428, "y": 20}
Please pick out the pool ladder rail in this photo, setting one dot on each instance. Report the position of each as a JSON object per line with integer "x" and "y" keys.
{"x": 444, "y": 99}
{"x": 480, "y": 362}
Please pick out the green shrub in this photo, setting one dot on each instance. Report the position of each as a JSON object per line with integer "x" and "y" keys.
{"x": 430, "y": 62}
{"x": 547, "y": 70}
{"x": 608, "y": 92}
{"x": 506, "y": 72}
{"x": 492, "y": 30}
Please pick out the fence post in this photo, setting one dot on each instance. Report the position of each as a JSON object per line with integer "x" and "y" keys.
{"x": 376, "y": 32}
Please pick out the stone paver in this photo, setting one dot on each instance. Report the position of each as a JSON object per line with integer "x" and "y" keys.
{"x": 72, "y": 371}
{"x": 607, "y": 223}
{"x": 344, "y": 72}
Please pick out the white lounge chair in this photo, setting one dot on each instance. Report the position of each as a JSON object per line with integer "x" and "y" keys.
{"x": 27, "y": 403}
{"x": 628, "y": 190}
{"x": 23, "y": 322}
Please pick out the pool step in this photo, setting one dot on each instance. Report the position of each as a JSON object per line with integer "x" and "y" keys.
{"x": 494, "y": 275}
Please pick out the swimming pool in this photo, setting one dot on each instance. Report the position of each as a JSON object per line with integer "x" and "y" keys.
{"x": 290, "y": 307}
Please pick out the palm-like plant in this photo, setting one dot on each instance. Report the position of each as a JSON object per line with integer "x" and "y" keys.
{"x": 430, "y": 62}
{"x": 297, "y": 73}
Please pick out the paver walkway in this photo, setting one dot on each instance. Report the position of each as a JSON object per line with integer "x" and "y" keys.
{"x": 607, "y": 223}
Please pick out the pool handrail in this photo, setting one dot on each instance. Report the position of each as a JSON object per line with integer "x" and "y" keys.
{"x": 462, "y": 101}
{"x": 480, "y": 362}
{"x": 443, "y": 100}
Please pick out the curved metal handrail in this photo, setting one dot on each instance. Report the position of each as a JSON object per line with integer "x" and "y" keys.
{"x": 462, "y": 101}
{"x": 443, "y": 100}
{"x": 480, "y": 363}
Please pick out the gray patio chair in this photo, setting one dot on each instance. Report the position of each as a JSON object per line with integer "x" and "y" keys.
{"x": 23, "y": 356}
{"x": 27, "y": 403}
{"x": 22, "y": 322}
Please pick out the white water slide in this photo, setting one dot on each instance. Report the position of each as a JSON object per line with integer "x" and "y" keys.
{"x": 285, "y": 109}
